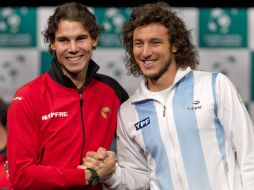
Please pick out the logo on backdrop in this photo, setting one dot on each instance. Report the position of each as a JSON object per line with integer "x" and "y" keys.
{"x": 233, "y": 63}
{"x": 226, "y": 65}
{"x": 17, "y": 67}
{"x": 114, "y": 70}
{"x": 112, "y": 19}
{"x": 17, "y": 27}
{"x": 220, "y": 27}
{"x": 11, "y": 71}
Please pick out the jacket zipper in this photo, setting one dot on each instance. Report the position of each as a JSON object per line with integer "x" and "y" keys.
{"x": 164, "y": 111}
{"x": 41, "y": 157}
{"x": 81, "y": 102}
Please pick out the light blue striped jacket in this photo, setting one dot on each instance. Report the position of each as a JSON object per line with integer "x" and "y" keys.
{"x": 200, "y": 138}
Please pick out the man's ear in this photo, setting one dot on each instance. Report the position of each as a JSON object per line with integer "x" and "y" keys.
{"x": 174, "y": 49}
{"x": 95, "y": 43}
{"x": 53, "y": 46}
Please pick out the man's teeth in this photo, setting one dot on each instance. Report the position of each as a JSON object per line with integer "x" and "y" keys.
{"x": 73, "y": 58}
{"x": 148, "y": 62}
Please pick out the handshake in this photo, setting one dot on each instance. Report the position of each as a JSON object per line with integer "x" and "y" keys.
{"x": 99, "y": 166}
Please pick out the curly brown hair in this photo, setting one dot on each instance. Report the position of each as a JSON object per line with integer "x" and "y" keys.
{"x": 71, "y": 11}
{"x": 179, "y": 36}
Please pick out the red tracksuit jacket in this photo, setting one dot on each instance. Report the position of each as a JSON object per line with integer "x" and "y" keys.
{"x": 52, "y": 124}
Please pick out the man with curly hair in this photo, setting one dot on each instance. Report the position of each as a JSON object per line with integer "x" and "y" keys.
{"x": 183, "y": 129}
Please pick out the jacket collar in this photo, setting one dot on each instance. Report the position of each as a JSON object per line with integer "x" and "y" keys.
{"x": 57, "y": 75}
{"x": 143, "y": 94}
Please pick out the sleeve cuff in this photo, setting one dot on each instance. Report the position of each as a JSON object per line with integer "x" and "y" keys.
{"x": 115, "y": 180}
{"x": 74, "y": 177}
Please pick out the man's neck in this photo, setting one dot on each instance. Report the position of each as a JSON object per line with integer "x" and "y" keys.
{"x": 77, "y": 79}
{"x": 163, "y": 82}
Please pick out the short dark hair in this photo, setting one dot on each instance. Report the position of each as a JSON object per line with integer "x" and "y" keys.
{"x": 71, "y": 11}
{"x": 179, "y": 36}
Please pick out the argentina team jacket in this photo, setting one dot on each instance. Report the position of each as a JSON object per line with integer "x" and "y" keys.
{"x": 200, "y": 138}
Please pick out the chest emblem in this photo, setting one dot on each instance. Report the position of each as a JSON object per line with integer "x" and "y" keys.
{"x": 195, "y": 106}
{"x": 105, "y": 112}
{"x": 143, "y": 123}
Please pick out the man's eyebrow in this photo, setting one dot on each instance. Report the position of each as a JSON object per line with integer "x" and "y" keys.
{"x": 62, "y": 38}
{"x": 82, "y": 36}
{"x": 66, "y": 37}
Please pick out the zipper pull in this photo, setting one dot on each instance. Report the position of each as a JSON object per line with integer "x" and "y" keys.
{"x": 164, "y": 111}
{"x": 81, "y": 98}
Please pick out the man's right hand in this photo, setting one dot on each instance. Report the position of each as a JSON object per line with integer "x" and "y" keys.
{"x": 103, "y": 161}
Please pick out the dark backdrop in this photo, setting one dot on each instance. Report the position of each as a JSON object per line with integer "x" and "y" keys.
{"x": 128, "y": 3}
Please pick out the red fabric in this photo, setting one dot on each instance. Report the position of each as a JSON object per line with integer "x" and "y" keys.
{"x": 45, "y": 134}
{"x": 4, "y": 183}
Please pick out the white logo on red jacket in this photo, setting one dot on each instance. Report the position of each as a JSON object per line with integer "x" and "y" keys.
{"x": 54, "y": 114}
{"x": 17, "y": 98}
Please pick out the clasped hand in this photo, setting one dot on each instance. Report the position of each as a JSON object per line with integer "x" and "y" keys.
{"x": 103, "y": 161}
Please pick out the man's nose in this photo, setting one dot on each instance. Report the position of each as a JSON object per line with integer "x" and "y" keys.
{"x": 146, "y": 51}
{"x": 73, "y": 47}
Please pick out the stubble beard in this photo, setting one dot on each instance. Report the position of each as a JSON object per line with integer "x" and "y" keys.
{"x": 162, "y": 71}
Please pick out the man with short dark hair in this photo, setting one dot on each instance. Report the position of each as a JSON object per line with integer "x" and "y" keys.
{"x": 56, "y": 118}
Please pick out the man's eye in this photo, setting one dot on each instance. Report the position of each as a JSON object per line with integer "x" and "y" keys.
{"x": 62, "y": 40}
{"x": 156, "y": 42}
{"x": 137, "y": 44}
{"x": 80, "y": 38}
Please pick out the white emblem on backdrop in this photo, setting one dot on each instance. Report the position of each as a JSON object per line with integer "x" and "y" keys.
{"x": 232, "y": 62}
{"x": 17, "y": 67}
{"x": 10, "y": 21}
{"x": 111, "y": 63}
